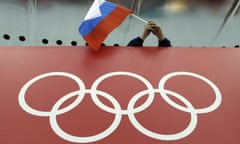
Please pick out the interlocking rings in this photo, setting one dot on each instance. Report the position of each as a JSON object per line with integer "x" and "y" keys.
{"x": 117, "y": 110}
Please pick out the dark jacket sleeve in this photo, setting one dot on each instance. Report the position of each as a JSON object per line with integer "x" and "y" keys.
{"x": 164, "y": 43}
{"x": 139, "y": 42}
{"x": 136, "y": 42}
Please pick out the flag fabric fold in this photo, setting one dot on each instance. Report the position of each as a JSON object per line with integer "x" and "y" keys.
{"x": 102, "y": 18}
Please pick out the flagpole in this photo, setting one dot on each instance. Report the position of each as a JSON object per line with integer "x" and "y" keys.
{"x": 139, "y": 18}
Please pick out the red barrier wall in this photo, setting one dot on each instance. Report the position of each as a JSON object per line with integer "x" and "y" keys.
{"x": 64, "y": 95}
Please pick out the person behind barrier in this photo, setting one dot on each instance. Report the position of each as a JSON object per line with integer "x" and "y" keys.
{"x": 155, "y": 29}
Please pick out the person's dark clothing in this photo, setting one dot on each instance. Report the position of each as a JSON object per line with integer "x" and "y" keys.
{"x": 139, "y": 42}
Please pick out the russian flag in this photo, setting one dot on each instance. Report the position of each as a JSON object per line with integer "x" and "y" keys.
{"x": 102, "y": 18}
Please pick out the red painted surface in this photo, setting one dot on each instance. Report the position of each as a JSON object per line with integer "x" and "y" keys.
{"x": 21, "y": 64}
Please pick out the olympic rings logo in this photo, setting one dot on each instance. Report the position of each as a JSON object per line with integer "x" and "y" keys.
{"x": 117, "y": 110}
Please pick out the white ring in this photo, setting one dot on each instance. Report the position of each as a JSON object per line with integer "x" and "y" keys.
{"x": 30, "y": 110}
{"x": 77, "y": 139}
{"x": 110, "y": 110}
{"x": 188, "y": 130}
{"x": 208, "y": 109}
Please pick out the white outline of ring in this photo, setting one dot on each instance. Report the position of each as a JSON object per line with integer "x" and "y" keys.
{"x": 119, "y": 112}
{"x": 208, "y": 109}
{"x": 167, "y": 137}
{"x": 120, "y": 73}
{"x": 76, "y": 139}
{"x": 27, "y": 108}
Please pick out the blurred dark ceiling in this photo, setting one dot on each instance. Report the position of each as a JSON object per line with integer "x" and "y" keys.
{"x": 196, "y": 23}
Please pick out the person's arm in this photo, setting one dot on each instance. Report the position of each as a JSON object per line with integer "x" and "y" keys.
{"x": 162, "y": 40}
{"x": 139, "y": 40}
{"x": 136, "y": 42}
{"x": 164, "y": 43}
{"x": 151, "y": 26}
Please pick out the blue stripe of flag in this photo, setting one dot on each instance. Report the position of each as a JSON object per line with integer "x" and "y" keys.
{"x": 87, "y": 26}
